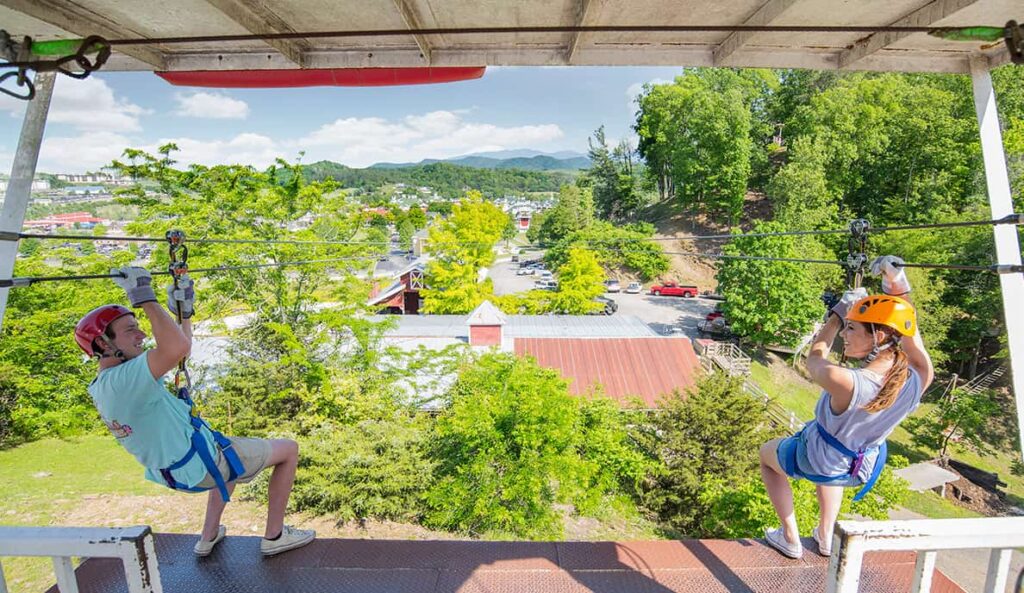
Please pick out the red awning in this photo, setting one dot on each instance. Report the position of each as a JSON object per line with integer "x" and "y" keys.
{"x": 266, "y": 79}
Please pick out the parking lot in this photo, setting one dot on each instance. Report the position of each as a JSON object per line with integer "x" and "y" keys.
{"x": 665, "y": 315}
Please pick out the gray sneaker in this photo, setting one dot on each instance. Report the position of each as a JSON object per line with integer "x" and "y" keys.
{"x": 203, "y": 547}
{"x": 290, "y": 539}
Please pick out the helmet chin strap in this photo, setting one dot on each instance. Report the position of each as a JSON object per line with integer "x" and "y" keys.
{"x": 118, "y": 353}
{"x": 876, "y": 349}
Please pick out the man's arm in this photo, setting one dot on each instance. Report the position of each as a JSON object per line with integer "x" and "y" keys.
{"x": 171, "y": 342}
{"x": 834, "y": 379}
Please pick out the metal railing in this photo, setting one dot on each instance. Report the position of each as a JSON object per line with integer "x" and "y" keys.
{"x": 853, "y": 538}
{"x": 729, "y": 357}
{"x": 133, "y": 545}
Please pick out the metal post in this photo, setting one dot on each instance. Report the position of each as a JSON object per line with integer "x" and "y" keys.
{"x": 64, "y": 570}
{"x": 845, "y": 564}
{"x": 23, "y": 171}
{"x": 923, "y": 572}
{"x": 998, "y": 570}
{"x": 1007, "y": 245}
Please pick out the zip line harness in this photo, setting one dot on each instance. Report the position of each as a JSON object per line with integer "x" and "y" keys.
{"x": 178, "y": 267}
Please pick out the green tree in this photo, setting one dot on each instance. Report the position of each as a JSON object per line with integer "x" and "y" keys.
{"x": 712, "y": 431}
{"x": 513, "y": 442}
{"x": 697, "y": 130}
{"x": 580, "y": 279}
{"x": 961, "y": 416}
{"x": 461, "y": 245}
{"x": 573, "y": 211}
{"x": 405, "y": 232}
{"x": 625, "y": 247}
{"x": 768, "y": 302}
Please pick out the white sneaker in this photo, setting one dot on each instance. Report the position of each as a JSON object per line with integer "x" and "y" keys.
{"x": 203, "y": 547}
{"x": 290, "y": 539}
{"x": 777, "y": 539}
{"x": 824, "y": 548}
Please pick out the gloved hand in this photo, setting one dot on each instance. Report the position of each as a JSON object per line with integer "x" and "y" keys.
{"x": 137, "y": 284}
{"x": 849, "y": 298}
{"x": 894, "y": 278}
{"x": 183, "y": 297}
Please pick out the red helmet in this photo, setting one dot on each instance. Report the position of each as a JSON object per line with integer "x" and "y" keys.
{"x": 95, "y": 323}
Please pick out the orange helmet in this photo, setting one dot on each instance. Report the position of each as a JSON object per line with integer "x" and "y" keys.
{"x": 886, "y": 310}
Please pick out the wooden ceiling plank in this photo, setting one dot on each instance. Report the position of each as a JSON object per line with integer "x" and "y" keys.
{"x": 82, "y": 22}
{"x": 768, "y": 12}
{"x": 925, "y": 16}
{"x": 259, "y": 19}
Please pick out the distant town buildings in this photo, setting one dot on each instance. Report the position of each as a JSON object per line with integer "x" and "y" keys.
{"x": 93, "y": 178}
{"x": 65, "y": 221}
{"x": 37, "y": 185}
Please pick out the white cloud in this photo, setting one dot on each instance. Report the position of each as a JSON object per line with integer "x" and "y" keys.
{"x": 359, "y": 142}
{"x": 246, "y": 149}
{"x": 87, "y": 104}
{"x": 354, "y": 141}
{"x": 634, "y": 90}
{"x": 212, "y": 106}
{"x": 86, "y": 152}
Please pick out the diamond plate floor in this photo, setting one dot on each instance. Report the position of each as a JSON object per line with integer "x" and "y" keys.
{"x": 385, "y": 566}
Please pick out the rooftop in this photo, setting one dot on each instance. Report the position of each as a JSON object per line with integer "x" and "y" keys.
{"x": 523, "y": 326}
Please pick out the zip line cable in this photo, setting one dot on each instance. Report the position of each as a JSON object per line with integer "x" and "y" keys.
{"x": 994, "y": 268}
{"x": 29, "y": 280}
{"x": 1014, "y": 219}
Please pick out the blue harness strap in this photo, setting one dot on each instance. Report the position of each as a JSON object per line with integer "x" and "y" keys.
{"x": 858, "y": 460}
{"x": 199, "y": 447}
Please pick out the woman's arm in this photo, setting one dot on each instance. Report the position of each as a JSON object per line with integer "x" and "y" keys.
{"x": 917, "y": 356}
{"x": 834, "y": 379}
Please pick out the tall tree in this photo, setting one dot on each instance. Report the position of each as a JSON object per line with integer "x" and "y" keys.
{"x": 768, "y": 302}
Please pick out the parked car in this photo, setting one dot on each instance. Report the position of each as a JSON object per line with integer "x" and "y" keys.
{"x": 634, "y": 288}
{"x": 545, "y": 274}
{"x": 673, "y": 289}
{"x": 525, "y": 272}
{"x": 610, "y": 306}
{"x": 715, "y": 314}
{"x": 714, "y": 296}
{"x": 612, "y": 285}
{"x": 546, "y": 284}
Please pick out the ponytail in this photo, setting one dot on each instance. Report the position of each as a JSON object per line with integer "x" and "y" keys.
{"x": 895, "y": 378}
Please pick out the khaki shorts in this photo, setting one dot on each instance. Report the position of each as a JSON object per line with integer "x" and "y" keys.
{"x": 254, "y": 454}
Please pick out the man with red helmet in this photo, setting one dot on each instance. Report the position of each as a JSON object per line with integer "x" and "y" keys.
{"x": 177, "y": 448}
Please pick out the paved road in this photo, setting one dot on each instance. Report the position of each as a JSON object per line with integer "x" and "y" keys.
{"x": 662, "y": 313}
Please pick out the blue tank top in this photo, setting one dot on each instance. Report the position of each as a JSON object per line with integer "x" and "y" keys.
{"x": 857, "y": 428}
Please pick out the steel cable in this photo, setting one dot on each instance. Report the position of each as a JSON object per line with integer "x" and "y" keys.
{"x": 29, "y": 280}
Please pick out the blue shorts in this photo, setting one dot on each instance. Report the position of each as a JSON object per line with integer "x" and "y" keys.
{"x": 792, "y": 457}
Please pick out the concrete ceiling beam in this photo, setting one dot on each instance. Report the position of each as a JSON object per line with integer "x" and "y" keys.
{"x": 413, "y": 22}
{"x": 768, "y": 12}
{"x": 257, "y": 18}
{"x": 582, "y": 7}
{"x": 925, "y": 16}
{"x": 83, "y": 22}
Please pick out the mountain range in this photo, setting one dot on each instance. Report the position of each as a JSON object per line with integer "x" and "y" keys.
{"x": 526, "y": 159}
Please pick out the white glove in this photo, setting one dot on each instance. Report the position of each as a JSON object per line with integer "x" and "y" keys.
{"x": 183, "y": 297}
{"x": 849, "y": 298}
{"x": 137, "y": 284}
{"x": 894, "y": 278}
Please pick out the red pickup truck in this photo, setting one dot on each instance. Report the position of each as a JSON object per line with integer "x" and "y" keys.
{"x": 673, "y": 289}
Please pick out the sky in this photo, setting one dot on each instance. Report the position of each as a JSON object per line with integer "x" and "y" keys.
{"x": 551, "y": 109}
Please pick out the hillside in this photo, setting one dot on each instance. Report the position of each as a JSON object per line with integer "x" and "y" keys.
{"x": 541, "y": 162}
{"x": 446, "y": 179}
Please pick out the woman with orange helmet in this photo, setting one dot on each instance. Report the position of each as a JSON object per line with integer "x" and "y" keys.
{"x": 844, "y": 446}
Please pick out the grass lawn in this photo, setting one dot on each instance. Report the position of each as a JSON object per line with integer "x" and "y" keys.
{"x": 931, "y": 505}
{"x": 42, "y": 481}
{"x": 787, "y": 387}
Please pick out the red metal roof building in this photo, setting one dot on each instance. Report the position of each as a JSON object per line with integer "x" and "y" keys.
{"x": 644, "y": 367}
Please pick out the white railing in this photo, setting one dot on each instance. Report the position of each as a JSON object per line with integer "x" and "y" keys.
{"x": 853, "y": 538}
{"x": 133, "y": 545}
